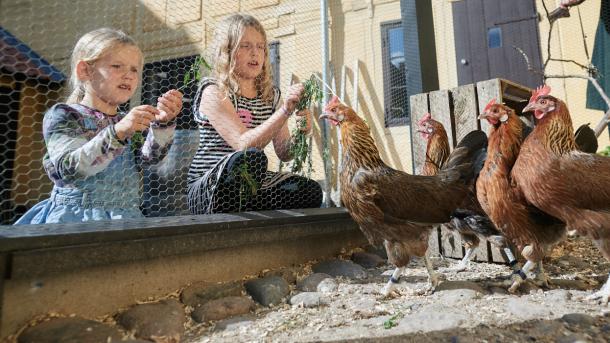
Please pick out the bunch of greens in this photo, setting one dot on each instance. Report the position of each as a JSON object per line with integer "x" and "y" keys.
{"x": 195, "y": 73}
{"x": 300, "y": 147}
{"x": 605, "y": 152}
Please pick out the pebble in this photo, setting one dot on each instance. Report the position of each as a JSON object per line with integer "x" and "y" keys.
{"x": 308, "y": 299}
{"x": 269, "y": 290}
{"x": 164, "y": 319}
{"x": 340, "y": 268}
{"x": 69, "y": 330}
{"x": 311, "y": 282}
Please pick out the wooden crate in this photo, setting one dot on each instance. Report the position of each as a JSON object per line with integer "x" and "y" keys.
{"x": 458, "y": 109}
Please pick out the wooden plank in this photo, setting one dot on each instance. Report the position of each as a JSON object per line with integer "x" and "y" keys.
{"x": 434, "y": 243}
{"x": 441, "y": 109}
{"x": 487, "y": 90}
{"x": 451, "y": 243}
{"x": 464, "y": 110}
{"x": 419, "y": 107}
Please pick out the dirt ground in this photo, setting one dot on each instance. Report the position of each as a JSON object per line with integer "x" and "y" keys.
{"x": 471, "y": 306}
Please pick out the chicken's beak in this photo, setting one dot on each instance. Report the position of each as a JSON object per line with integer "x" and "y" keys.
{"x": 530, "y": 107}
{"x": 330, "y": 116}
{"x": 483, "y": 115}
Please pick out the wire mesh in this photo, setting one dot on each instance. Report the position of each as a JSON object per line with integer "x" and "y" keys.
{"x": 380, "y": 54}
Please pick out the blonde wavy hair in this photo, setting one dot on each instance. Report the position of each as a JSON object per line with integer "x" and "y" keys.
{"x": 89, "y": 48}
{"x": 227, "y": 36}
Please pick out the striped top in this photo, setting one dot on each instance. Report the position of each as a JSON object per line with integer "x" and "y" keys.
{"x": 212, "y": 147}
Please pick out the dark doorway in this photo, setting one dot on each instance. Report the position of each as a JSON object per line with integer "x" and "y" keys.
{"x": 486, "y": 34}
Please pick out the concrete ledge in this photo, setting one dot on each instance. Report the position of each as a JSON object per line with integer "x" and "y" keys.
{"x": 94, "y": 269}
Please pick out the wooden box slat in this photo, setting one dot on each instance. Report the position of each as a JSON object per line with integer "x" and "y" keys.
{"x": 419, "y": 107}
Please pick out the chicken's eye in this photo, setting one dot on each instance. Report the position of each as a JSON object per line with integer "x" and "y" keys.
{"x": 334, "y": 110}
{"x": 543, "y": 101}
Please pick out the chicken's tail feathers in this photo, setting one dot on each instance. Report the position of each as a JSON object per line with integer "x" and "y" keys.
{"x": 586, "y": 140}
{"x": 467, "y": 159}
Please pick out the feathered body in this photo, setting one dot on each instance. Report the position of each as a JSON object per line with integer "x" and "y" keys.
{"x": 392, "y": 205}
{"x": 557, "y": 178}
{"x": 502, "y": 199}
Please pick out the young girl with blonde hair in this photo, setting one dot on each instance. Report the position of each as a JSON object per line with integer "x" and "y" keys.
{"x": 89, "y": 155}
{"x": 239, "y": 113}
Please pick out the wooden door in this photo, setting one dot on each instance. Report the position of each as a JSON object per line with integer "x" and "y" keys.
{"x": 486, "y": 33}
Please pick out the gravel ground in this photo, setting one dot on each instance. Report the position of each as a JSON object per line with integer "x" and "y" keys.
{"x": 472, "y": 306}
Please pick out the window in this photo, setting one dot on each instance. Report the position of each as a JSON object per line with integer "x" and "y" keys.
{"x": 161, "y": 76}
{"x": 494, "y": 37}
{"x": 396, "y": 100}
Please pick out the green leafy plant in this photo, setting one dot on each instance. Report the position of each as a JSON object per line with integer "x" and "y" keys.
{"x": 393, "y": 321}
{"x": 605, "y": 152}
{"x": 300, "y": 146}
{"x": 195, "y": 72}
{"x": 247, "y": 184}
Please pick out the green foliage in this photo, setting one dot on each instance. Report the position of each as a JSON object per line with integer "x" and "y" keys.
{"x": 299, "y": 150}
{"x": 393, "y": 321}
{"x": 195, "y": 73}
{"x": 605, "y": 152}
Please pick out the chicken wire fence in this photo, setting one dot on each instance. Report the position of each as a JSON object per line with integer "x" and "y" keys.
{"x": 379, "y": 54}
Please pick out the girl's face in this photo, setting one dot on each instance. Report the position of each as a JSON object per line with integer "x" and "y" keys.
{"x": 114, "y": 77}
{"x": 250, "y": 54}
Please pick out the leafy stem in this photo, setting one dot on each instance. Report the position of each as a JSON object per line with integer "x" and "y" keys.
{"x": 299, "y": 149}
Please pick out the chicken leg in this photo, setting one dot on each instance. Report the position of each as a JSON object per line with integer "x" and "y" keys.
{"x": 603, "y": 295}
{"x": 390, "y": 287}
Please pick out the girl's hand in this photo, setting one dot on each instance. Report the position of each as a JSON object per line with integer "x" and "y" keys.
{"x": 292, "y": 97}
{"x": 304, "y": 115}
{"x": 169, "y": 105}
{"x": 137, "y": 120}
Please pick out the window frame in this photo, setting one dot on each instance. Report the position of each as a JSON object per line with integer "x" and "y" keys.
{"x": 390, "y": 121}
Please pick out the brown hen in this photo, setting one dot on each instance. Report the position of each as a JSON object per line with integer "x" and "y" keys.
{"x": 562, "y": 181}
{"x": 527, "y": 227}
{"x": 389, "y": 205}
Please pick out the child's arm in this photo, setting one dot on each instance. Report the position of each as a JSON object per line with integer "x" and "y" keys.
{"x": 223, "y": 116}
{"x": 161, "y": 133}
{"x": 73, "y": 152}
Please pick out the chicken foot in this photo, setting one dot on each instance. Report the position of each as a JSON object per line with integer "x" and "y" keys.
{"x": 603, "y": 295}
{"x": 464, "y": 263}
{"x": 435, "y": 278}
{"x": 519, "y": 276}
{"x": 390, "y": 287}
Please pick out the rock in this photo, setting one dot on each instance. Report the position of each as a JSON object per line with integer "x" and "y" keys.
{"x": 573, "y": 261}
{"x": 308, "y": 299}
{"x": 571, "y": 284}
{"x": 367, "y": 260}
{"x": 162, "y": 320}
{"x": 451, "y": 285}
{"x": 269, "y": 290}
{"x": 289, "y": 274}
{"x": 575, "y": 338}
{"x": 340, "y": 268}
{"x": 235, "y": 323}
{"x": 379, "y": 251}
{"x": 310, "y": 283}
{"x": 524, "y": 309}
{"x": 455, "y": 296}
{"x": 199, "y": 293}
{"x": 546, "y": 328}
{"x": 557, "y": 296}
{"x": 498, "y": 290}
{"x": 223, "y": 308}
{"x": 432, "y": 319}
{"x": 69, "y": 330}
{"x": 580, "y": 319}
{"x": 327, "y": 286}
